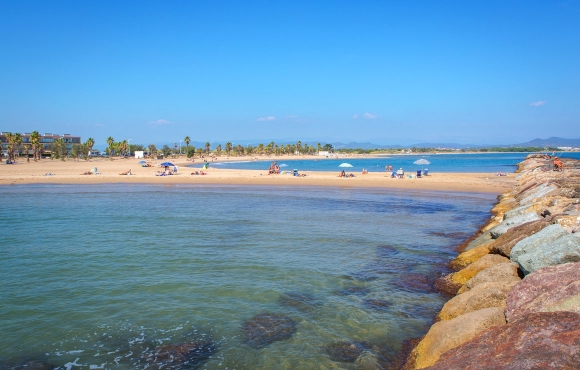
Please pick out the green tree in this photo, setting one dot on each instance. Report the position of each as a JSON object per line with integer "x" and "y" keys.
{"x": 319, "y": 147}
{"x": 111, "y": 143}
{"x": 200, "y": 151}
{"x": 218, "y": 149}
{"x": 228, "y": 148}
{"x": 328, "y": 147}
{"x": 260, "y": 148}
{"x": 299, "y": 147}
{"x": 187, "y": 140}
{"x": 165, "y": 150}
{"x": 190, "y": 151}
{"x": 152, "y": 150}
{"x": 35, "y": 141}
{"x": 207, "y": 147}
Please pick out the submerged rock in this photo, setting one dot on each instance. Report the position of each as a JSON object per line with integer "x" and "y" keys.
{"x": 182, "y": 356}
{"x": 377, "y": 304}
{"x": 354, "y": 290}
{"x": 346, "y": 351}
{"x": 417, "y": 283}
{"x": 301, "y": 301}
{"x": 542, "y": 340}
{"x": 266, "y": 328}
{"x": 386, "y": 251}
{"x": 555, "y": 288}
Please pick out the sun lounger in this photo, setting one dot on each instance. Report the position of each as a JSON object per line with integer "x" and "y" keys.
{"x": 418, "y": 174}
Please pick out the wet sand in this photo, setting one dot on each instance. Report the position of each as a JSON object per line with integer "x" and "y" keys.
{"x": 69, "y": 172}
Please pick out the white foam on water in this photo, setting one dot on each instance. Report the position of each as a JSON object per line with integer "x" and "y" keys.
{"x": 75, "y": 351}
{"x": 69, "y": 365}
{"x": 101, "y": 366}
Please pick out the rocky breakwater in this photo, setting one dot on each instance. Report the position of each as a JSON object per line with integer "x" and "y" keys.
{"x": 516, "y": 289}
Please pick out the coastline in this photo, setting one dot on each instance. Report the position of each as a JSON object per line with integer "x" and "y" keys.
{"x": 69, "y": 172}
{"x": 514, "y": 282}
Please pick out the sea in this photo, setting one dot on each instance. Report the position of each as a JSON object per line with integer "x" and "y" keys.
{"x": 481, "y": 162}
{"x": 104, "y": 276}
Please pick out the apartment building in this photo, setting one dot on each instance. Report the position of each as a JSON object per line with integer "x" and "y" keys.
{"x": 46, "y": 140}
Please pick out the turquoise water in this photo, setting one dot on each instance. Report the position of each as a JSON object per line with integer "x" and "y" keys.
{"x": 98, "y": 276}
{"x": 490, "y": 163}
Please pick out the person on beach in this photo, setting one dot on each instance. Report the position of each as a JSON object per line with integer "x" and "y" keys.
{"x": 401, "y": 173}
{"x": 342, "y": 174}
{"x": 126, "y": 173}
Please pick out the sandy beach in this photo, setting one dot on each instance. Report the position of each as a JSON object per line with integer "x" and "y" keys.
{"x": 70, "y": 172}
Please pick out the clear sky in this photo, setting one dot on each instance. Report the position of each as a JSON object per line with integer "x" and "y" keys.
{"x": 389, "y": 72}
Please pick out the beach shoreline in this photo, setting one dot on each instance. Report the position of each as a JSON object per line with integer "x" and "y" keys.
{"x": 71, "y": 172}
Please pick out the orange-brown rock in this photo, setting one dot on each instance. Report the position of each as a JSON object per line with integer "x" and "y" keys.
{"x": 500, "y": 273}
{"x": 446, "y": 335}
{"x": 462, "y": 276}
{"x": 554, "y": 288}
{"x": 503, "y": 207}
{"x": 542, "y": 340}
{"x": 484, "y": 295}
{"x": 504, "y": 244}
{"x": 468, "y": 257}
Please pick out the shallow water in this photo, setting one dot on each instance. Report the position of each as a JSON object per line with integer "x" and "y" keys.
{"x": 490, "y": 163}
{"x": 100, "y": 275}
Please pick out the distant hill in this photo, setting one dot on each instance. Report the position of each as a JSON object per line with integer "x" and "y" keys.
{"x": 553, "y": 142}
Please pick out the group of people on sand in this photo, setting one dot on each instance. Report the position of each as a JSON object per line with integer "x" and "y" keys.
{"x": 274, "y": 169}
{"x": 344, "y": 174}
{"x": 199, "y": 173}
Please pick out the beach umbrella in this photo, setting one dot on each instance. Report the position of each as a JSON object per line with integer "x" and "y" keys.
{"x": 345, "y": 165}
{"x": 422, "y": 162}
{"x": 167, "y": 164}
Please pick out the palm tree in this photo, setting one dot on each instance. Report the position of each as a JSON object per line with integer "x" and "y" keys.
{"x": 200, "y": 151}
{"x": 35, "y": 141}
{"x": 207, "y": 147}
{"x": 10, "y": 146}
{"x": 298, "y": 146}
{"x": 228, "y": 148}
{"x": 319, "y": 147}
{"x": 89, "y": 146}
{"x": 186, "y": 140}
{"x": 260, "y": 148}
{"x": 111, "y": 143}
{"x": 218, "y": 149}
{"x": 123, "y": 146}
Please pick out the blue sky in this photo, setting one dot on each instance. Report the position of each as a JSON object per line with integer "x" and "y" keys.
{"x": 381, "y": 71}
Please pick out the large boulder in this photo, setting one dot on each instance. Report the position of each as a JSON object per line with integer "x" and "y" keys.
{"x": 504, "y": 244}
{"x": 484, "y": 295}
{"x": 543, "y": 340}
{"x": 537, "y": 193}
{"x": 462, "y": 276}
{"x": 504, "y": 206}
{"x": 450, "y": 284}
{"x": 500, "y": 229}
{"x": 445, "y": 335}
{"x": 541, "y": 238}
{"x": 562, "y": 250}
{"x": 468, "y": 257}
{"x": 500, "y": 273}
{"x": 480, "y": 240}
{"x": 527, "y": 208}
{"x": 555, "y": 288}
